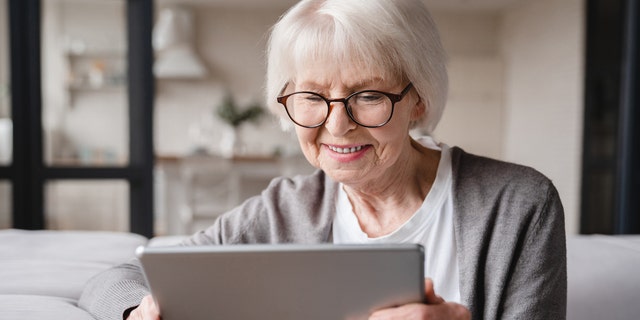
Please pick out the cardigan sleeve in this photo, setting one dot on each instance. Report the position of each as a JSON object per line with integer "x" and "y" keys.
{"x": 110, "y": 293}
{"x": 509, "y": 225}
{"x": 537, "y": 288}
{"x": 297, "y": 210}
{"x": 290, "y": 210}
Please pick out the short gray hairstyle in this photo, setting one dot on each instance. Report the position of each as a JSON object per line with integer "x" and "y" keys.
{"x": 395, "y": 40}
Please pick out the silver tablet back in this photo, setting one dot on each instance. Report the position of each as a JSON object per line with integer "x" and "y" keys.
{"x": 282, "y": 281}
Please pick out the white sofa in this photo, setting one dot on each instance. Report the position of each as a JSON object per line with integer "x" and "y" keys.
{"x": 43, "y": 272}
{"x": 604, "y": 277}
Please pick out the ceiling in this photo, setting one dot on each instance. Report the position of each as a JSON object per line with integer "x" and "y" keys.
{"x": 457, "y": 5}
{"x": 471, "y": 5}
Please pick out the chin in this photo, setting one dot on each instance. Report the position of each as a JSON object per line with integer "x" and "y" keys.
{"x": 346, "y": 176}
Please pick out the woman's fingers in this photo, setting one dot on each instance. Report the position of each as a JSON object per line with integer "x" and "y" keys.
{"x": 435, "y": 308}
{"x": 147, "y": 310}
{"x": 430, "y": 294}
{"x": 417, "y": 311}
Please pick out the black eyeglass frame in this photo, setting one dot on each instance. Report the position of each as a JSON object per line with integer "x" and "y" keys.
{"x": 392, "y": 96}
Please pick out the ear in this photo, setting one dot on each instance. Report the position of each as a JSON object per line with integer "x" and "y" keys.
{"x": 419, "y": 109}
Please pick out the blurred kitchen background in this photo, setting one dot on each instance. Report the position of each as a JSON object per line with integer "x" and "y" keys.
{"x": 517, "y": 73}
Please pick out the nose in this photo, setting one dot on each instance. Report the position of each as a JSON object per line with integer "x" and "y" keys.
{"x": 338, "y": 122}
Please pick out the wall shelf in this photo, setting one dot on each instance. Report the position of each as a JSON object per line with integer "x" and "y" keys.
{"x": 95, "y": 72}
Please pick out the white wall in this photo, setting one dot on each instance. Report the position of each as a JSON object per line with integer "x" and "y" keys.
{"x": 516, "y": 93}
{"x": 5, "y": 188}
{"x": 4, "y": 59}
{"x": 231, "y": 43}
{"x": 473, "y": 118}
{"x": 542, "y": 43}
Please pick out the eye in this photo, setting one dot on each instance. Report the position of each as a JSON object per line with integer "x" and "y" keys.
{"x": 306, "y": 100}
{"x": 313, "y": 98}
{"x": 369, "y": 98}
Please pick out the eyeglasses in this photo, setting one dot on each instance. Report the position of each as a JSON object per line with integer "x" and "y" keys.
{"x": 368, "y": 108}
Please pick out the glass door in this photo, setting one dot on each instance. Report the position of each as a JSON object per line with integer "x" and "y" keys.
{"x": 83, "y": 87}
{"x": 85, "y": 111}
{"x": 84, "y": 83}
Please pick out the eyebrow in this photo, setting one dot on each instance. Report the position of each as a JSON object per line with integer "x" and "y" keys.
{"x": 356, "y": 86}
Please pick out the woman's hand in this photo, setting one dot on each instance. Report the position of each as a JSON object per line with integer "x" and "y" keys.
{"x": 434, "y": 308}
{"x": 147, "y": 310}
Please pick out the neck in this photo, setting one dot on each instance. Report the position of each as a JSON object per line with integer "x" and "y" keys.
{"x": 383, "y": 206}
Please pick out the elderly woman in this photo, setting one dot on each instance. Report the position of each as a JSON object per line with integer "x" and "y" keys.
{"x": 353, "y": 78}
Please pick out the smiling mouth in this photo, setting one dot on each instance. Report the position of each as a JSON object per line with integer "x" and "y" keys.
{"x": 345, "y": 150}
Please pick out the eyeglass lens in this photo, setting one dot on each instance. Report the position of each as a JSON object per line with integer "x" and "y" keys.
{"x": 369, "y": 108}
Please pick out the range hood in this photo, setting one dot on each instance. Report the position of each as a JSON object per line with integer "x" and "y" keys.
{"x": 175, "y": 56}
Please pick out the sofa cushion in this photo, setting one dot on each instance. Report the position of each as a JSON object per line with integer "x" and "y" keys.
{"x": 59, "y": 263}
{"x": 16, "y": 307}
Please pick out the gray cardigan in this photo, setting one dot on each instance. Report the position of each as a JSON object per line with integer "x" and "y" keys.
{"x": 509, "y": 229}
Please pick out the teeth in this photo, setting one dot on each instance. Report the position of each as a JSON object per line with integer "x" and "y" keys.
{"x": 345, "y": 150}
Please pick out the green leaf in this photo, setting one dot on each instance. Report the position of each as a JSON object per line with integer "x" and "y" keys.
{"x": 229, "y": 112}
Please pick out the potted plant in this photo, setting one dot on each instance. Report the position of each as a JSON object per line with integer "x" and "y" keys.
{"x": 234, "y": 115}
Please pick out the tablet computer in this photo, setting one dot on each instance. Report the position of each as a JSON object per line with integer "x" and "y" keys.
{"x": 242, "y": 282}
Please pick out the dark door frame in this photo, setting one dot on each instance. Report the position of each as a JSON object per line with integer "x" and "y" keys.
{"x": 27, "y": 172}
{"x": 628, "y": 173}
{"x": 611, "y": 151}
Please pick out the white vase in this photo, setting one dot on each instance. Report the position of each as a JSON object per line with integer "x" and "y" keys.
{"x": 231, "y": 144}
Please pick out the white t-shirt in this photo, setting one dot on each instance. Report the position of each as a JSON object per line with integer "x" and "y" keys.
{"x": 431, "y": 226}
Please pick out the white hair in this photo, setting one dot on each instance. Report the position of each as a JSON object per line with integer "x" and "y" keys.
{"x": 395, "y": 40}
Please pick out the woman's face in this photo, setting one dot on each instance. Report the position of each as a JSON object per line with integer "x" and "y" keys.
{"x": 347, "y": 152}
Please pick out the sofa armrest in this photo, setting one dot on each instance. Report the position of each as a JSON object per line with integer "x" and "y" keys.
{"x": 603, "y": 277}
{"x": 44, "y": 272}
